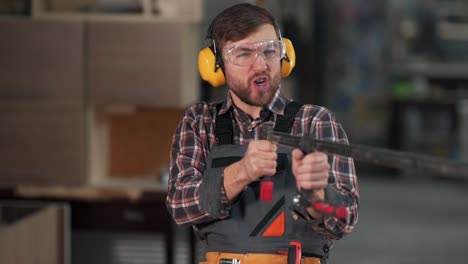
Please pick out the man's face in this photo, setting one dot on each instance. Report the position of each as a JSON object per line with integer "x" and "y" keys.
{"x": 254, "y": 84}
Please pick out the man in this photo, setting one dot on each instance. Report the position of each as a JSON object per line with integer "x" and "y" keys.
{"x": 236, "y": 189}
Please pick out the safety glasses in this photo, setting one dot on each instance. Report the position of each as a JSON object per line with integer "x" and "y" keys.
{"x": 247, "y": 53}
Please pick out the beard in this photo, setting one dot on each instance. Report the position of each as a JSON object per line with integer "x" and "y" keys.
{"x": 251, "y": 96}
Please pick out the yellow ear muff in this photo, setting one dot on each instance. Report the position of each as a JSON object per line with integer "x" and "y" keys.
{"x": 208, "y": 69}
{"x": 289, "y": 61}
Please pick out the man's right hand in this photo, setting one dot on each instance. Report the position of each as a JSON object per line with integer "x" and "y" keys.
{"x": 259, "y": 159}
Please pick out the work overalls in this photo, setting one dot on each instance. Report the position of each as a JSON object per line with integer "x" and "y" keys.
{"x": 257, "y": 222}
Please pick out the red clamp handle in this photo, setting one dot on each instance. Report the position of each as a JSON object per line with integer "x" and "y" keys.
{"x": 294, "y": 252}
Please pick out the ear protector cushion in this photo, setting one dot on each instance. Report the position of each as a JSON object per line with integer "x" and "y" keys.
{"x": 289, "y": 61}
{"x": 214, "y": 75}
{"x": 208, "y": 69}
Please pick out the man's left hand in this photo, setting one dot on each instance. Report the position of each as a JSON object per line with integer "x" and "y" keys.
{"x": 311, "y": 171}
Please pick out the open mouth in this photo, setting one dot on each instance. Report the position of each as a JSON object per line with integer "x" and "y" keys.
{"x": 261, "y": 84}
{"x": 260, "y": 81}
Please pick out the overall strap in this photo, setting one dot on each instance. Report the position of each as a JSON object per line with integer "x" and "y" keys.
{"x": 223, "y": 129}
{"x": 284, "y": 122}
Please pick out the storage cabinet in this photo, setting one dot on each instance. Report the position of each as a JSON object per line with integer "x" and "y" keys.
{"x": 34, "y": 232}
{"x": 41, "y": 102}
{"x": 131, "y": 145}
{"x": 121, "y": 232}
{"x": 426, "y": 114}
{"x": 427, "y": 71}
{"x": 41, "y": 61}
{"x": 60, "y": 79}
{"x": 142, "y": 63}
{"x": 74, "y": 89}
{"x": 41, "y": 144}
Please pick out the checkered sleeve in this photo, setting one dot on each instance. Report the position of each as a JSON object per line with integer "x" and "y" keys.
{"x": 187, "y": 167}
{"x": 343, "y": 185}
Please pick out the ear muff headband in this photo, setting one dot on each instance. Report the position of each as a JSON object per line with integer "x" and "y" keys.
{"x": 212, "y": 72}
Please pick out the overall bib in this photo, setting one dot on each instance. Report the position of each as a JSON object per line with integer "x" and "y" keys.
{"x": 256, "y": 225}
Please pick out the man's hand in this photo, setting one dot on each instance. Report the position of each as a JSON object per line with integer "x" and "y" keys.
{"x": 311, "y": 171}
{"x": 259, "y": 159}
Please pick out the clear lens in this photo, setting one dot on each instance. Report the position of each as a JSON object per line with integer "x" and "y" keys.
{"x": 247, "y": 53}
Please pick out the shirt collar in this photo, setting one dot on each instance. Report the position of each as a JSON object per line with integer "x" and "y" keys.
{"x": 277, "y": 104}
{"x": 227, "y": 104}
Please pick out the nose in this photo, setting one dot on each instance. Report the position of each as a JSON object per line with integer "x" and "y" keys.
{"x": 260, "y": 62}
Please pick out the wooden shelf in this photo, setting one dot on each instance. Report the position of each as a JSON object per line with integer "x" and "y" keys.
{"x": 185, "y": 11}
{"x": 130, "y": 148}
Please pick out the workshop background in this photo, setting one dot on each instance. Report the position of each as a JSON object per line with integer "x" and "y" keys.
{"x": 92, "y": 90}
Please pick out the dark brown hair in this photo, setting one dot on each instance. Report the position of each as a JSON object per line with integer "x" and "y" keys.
{"x": 238, "y": 21}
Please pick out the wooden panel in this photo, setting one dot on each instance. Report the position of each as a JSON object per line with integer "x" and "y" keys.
{"x": 135, "y": 63}
{"x": 41, "y": 144}
{"x": 37, "y": 238}
{"x": 41, "y": 60}
{"x": 140, "y": 143}
{"x": 70, "y": 5}
{"x": 192, "y": 9}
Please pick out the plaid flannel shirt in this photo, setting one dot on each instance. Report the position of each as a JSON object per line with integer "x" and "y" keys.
{"x": 195, "y": 136}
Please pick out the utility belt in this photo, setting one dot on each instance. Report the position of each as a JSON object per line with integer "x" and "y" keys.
{"x": 291, "y": 256}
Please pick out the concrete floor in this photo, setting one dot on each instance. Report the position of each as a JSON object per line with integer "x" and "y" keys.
{"x": 408, "y": 220}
